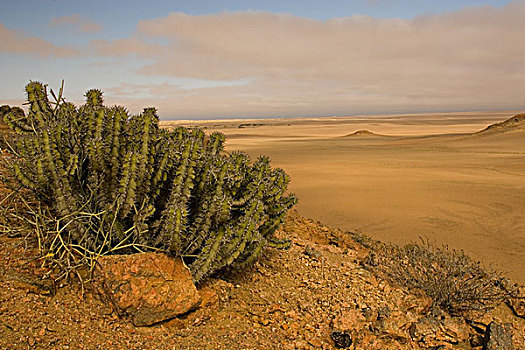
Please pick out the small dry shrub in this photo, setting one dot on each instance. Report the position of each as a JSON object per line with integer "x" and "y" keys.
{"x": 452, "y": 279}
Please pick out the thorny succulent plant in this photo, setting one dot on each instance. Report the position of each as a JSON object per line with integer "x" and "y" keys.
{"x": 117, "y": 183}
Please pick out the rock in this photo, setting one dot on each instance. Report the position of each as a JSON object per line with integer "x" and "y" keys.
{"x": 316, "y": 343}
{"x": 301, "y": 345}
{"x": 424, "y": 331}
{"x": 223, "y": 290}
{"x": 497, "y": 338}
{"x": 342, "y": 340}
{"x": 418, "y": 303}
{"x": 476, "y": 340}
{"x": 454, "y": 330}
{"x": 344, "y": 325}
{"x": 208, "y": 296}
{"x": 334, "y": 249}
{"x": 312, "y": 253}
{"x": 369, "y": 314}
{"x": 175, "y": 324}
{"x": 517, "y": 305}
{"x": 30, "y": 283}
{"x": 433, "y": 331}
{"x": 348, "y": 320}
{"x": 375, "y": 343}
{"x": 480, "y": 322}
{"x": 147, "y": 287}
{"x": 395, "y": 325}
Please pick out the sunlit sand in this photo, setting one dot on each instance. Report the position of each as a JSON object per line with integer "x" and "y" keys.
{"x": 398, "y": 178}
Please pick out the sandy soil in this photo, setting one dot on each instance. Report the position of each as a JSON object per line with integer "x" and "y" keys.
{"x": 290, "y": 299}
{"x": 411, "y": 176}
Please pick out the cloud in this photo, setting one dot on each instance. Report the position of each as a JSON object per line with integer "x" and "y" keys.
{"x": 19, "y": 43}
{"x": 77, "y": 22}
{"x": 468, "y": 59}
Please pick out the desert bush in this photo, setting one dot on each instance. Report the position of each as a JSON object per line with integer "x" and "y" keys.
{"x": 451, "y": 278}
{"x": 110, "y": 182}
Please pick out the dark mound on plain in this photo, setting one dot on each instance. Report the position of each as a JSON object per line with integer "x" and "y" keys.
{"x": 514, "y": 123}
{"x": 363, "y": 133}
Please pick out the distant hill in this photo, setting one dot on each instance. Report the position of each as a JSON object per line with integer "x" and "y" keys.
{"x": 514, "y": 123}
{"x": 363, "y": 133}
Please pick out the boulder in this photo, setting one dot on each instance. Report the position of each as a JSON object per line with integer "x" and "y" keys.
{"x": 147, "y": 287}
{"x": 497, "y": 338}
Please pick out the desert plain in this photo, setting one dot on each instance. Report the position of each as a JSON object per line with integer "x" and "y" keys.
{"x": 402, "y": 178}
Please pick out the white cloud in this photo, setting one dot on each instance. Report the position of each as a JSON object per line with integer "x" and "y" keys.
{"x": 19, "y": 43}
{"x": 289, "y": 65}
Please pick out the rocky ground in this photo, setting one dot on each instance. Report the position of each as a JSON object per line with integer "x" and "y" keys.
{"x": 316, "y": 295}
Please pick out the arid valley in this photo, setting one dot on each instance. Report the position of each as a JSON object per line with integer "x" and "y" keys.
{"x": 401, "y": 178}
{"x": 449, "y": 179}
{"x": 260, "y": 175}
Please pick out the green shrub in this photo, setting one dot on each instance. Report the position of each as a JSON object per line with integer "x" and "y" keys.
{"x": 117, "y": 183}
{"x": 5, "y": 132}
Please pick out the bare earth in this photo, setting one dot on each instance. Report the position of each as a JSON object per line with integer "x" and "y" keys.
{"x": 290, "y": 299}
{"x": 398, "y": 178}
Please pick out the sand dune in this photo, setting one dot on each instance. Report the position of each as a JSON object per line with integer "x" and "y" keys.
{"x": 430, "y": 178}
{"x": 364, "y": 133}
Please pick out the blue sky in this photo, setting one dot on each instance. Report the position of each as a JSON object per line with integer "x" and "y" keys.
{"x": 119, "y": 18}
{"x": 221, "y": 59}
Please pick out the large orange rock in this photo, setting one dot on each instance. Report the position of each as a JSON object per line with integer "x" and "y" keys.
{"x": 147, "y": 287}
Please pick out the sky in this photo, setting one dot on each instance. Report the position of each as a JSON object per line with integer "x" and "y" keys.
{"x": 269, "y": 59}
